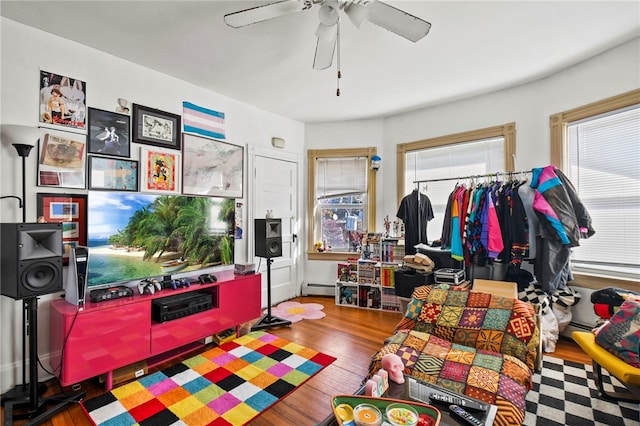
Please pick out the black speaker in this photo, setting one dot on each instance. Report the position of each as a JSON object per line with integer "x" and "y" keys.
{"x": 31, "y": 259}
{"x": 268, "y": 237}
{"x": 76, "y": 287}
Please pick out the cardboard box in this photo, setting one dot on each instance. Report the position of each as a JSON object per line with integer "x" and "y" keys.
{"x": 129, "y": 372}
{"x": 224, "y": 336}
{"x": 499, "y": 288}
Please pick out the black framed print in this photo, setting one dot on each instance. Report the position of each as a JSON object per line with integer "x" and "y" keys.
{"x": 158, "y": 128}
{"x": 113, "y": 174}
{"x": 109, "y": 133}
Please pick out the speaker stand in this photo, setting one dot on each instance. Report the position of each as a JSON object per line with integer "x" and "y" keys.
{"x": 32, "y": 406}
{"x": 21, "y": 392}
{"x": 268, "y": 321}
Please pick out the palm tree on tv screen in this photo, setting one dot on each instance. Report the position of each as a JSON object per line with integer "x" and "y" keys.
{"x": 174, "y": 224}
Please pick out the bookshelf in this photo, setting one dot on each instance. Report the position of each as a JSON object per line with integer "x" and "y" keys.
{"x": 369, "y": 283}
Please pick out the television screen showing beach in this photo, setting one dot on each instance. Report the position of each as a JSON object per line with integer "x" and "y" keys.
{"x": 133, "y": 236}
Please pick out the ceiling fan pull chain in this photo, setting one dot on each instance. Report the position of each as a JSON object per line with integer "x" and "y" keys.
{"x": 338, "y": 59}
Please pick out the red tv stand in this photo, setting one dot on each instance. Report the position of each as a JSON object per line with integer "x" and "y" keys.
{"x": 108, "y": 335}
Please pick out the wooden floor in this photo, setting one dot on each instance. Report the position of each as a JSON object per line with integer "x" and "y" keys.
{"x": 351, "y": 335}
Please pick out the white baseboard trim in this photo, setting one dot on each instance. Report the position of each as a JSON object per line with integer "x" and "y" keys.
{"x": 11, "y": 374}
{"x": 318, "y": 289}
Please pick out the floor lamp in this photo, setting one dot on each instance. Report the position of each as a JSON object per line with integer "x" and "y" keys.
{"x": 23, "y": 395}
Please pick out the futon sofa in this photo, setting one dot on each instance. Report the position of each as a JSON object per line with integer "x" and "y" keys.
{"x": 477, "y": 344}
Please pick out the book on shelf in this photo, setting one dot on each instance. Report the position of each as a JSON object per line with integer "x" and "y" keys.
{"x": 387, "y": 276}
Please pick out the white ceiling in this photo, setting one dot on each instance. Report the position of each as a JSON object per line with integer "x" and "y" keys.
{"x": 474, "y": 47}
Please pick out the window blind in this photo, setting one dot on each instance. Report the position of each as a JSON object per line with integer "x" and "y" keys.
{"x": 604, "y": 166}
{"x": 341, "y": 176}
{"x": 450, "y": 161}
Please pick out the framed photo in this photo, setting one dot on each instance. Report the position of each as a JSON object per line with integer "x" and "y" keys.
{"x": 71, "y": 211}
{"x": 159, "y": 171}
{"x": 212, "y": 167}
{"x": 113, "y": 174}
{"x": 155, "y": 127}
{"x": 61, "y": 162}
{"x": 109, "y": 133}
{"x": 62, "y": 102}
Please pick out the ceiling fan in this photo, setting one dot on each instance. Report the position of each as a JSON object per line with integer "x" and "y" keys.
{"x": 328, "y": 31}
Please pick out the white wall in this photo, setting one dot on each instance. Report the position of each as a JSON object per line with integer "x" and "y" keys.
{"x": 25, "y": 51}
{"x": 529, "y": 106}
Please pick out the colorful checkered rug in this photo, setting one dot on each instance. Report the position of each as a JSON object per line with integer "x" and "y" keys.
{"x": 566, "y": 394}
{"x": 227, "y": 385}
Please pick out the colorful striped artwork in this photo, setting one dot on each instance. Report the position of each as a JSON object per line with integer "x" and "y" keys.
{"x": 203, "y": 121}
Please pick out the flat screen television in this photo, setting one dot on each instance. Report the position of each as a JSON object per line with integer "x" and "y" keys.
{"x": 132, "y": 236}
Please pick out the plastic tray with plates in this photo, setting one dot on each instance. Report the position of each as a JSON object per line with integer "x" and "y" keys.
{"x": 353, "y": 410}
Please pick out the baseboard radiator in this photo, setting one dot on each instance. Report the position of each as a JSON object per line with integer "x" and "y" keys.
{"x": 318, "y": 289}
{"x": 583, "y": 317}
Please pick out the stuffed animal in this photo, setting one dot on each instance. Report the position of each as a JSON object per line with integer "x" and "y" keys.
{"x": 394, "y": 366}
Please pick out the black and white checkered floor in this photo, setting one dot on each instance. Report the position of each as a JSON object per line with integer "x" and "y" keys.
{"x": 565, "y": 394}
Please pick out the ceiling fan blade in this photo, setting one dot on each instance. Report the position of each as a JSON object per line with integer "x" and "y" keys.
{"x": 263, "y": 13}
{"x": 397, "y": 21}
{"x": 324, "y": 52}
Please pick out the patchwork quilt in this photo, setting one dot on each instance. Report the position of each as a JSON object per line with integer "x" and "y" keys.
{"x": 472, "y": 343}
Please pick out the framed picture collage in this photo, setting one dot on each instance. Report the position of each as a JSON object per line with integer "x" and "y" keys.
{"x": 90, "y": 148}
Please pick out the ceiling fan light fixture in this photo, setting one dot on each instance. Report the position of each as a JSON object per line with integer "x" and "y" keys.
{"x": 357, "y": 13}
{"x": 328, "y": 13}
{"x": 326, "y": 32}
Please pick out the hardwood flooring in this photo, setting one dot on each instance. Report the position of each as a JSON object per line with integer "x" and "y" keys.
{"x": 351, "y": 335}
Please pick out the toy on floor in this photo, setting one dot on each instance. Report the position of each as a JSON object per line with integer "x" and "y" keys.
{"x": 394, "y": 366}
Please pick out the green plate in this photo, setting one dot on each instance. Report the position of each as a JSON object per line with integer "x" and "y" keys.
{"x": 381, "y": 404}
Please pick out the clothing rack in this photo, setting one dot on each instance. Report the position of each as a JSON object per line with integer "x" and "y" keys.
{"x": 496, "y": 174}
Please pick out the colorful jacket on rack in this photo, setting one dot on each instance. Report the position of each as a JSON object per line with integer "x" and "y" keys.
{"x": 495, "y": 245}
{"x": 474, "y": 241}
{"x": 556, "y": 208}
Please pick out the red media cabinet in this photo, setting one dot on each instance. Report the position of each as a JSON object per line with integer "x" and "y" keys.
{"x": 108, "y": 335}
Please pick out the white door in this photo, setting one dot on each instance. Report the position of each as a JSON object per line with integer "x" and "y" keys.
{"x": 276, "y": 189}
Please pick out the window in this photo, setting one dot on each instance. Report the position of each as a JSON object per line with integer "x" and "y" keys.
{"x": 598, "y": 148}
{"x": 471, "y": 153}
{"x": 341, "y": 200}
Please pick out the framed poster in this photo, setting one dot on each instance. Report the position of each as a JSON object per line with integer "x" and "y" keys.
{"x": 159, "y": 171}
{"x": 113, "y": 174}
{"x": 109, "y": 133}
{"x": 212, "y": 167}
{"x": 71, "y": 211}
{"x": 155, "y": 127}
{"x": 62, "y": 102}
{"x": 61, "y": 162}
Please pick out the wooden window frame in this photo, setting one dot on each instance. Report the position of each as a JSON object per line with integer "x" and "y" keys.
{"x": 312, "y": 156}
{"x": 559, "y": 125}
{"x": 507, "y": 131}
